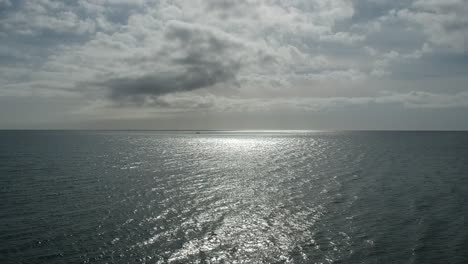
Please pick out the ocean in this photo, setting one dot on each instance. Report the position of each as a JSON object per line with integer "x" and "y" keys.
{"x": 233, "y": 197}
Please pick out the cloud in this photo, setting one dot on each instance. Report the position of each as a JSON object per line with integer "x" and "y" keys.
{"x": 5, "y": 3}
{"x": 445, "y": 22}
{"x": 35, "y": 17}
{"x": 158, "y": 54}
{"x": 191, "y": 78}
{"x": 199, "y": 57}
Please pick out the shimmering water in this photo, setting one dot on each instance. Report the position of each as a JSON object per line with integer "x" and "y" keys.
{"x": 233, "y": 197}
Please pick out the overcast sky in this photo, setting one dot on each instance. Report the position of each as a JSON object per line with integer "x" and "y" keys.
{"x": 240, "y": 64}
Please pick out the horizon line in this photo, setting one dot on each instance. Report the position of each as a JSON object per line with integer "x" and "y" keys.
{"x": 236, "y": 130}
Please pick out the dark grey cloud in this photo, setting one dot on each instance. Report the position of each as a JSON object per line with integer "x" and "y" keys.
{"x": 198, "y": 58}
{"x": 193, "y": 77}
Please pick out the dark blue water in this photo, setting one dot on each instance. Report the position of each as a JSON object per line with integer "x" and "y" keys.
{"x": 225, "y": 197}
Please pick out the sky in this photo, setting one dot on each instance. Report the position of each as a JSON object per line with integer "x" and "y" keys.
{"x": 243, "y": 64}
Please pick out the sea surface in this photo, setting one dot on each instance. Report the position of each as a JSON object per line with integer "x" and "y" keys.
{"x": 233, "y": 197}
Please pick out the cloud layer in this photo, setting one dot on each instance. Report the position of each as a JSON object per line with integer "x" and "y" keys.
{"x": 158, "y": 56}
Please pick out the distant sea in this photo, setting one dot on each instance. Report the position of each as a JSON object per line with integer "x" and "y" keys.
{"x": 233, "y": 197}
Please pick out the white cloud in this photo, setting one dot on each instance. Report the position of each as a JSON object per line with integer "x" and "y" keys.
{"x": 46, "y": 15}
{"x": 445, "y": 22}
